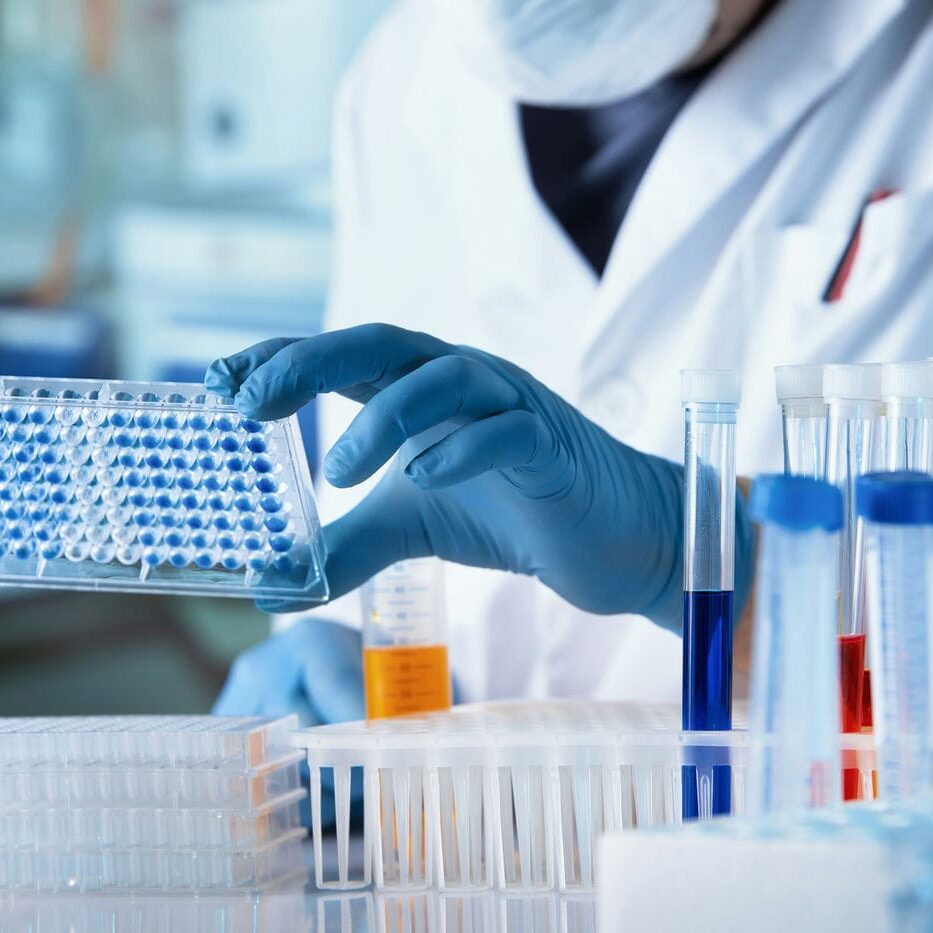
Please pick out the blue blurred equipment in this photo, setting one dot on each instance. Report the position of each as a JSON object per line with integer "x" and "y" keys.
{"x": 54, "y": 343}
{"x": 495, "y": 470}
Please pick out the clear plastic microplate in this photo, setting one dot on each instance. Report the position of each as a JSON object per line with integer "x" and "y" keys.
{"x": 96, "y": 869}
{"x": 145, "y": 741}
{"x": 153, "y": 487}
{"x": 510, "y": 796}
{"x": 64, "y": 828}
{"x": 228, "y": 763}
{"x": 184, "y": 788}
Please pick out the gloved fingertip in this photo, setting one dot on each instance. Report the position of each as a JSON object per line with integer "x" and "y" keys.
{"x": 248, "y": 401}
{"x": 338, "y": 465}
{"x": 219, "y": 378}
{"x": 426, "y": 471}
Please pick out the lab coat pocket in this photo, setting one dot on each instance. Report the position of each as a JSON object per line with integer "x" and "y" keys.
{"x": 787, "y": 272}
{"x": 895, "y": 243}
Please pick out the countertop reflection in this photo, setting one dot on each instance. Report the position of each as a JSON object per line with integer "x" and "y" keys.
{"x": 296, "y": 905}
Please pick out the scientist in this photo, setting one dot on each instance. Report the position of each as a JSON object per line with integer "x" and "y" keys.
{"x": 601, "y": 192}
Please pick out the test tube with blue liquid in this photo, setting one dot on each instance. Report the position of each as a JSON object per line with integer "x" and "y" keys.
{"x": 711, "y": 403}
{"x": 794, "y": 709}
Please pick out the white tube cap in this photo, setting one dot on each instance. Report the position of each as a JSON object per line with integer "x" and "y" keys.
{"x": 711, "y": 386}
{"x": 799, "y": 382}
{"x": 907, "y": 380}
{"x": 853, "y": 382}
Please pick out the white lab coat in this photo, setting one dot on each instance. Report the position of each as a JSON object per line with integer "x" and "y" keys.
{"x": 721, "y": 262}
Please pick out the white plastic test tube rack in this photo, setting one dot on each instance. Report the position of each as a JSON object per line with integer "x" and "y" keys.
{"x": 507, "y": 796}
{"x": 148, "y": 803}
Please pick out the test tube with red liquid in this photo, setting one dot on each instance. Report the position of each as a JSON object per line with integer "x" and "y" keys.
{"x": 853, "y": 425}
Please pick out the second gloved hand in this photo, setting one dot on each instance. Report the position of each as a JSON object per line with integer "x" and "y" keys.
{"x": 494, "y": 470}
{"x": 314, "y": 669}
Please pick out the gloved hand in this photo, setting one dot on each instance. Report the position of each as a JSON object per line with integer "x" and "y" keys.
{"x": 315, "y": 669}
{"x": 494, "y": 470}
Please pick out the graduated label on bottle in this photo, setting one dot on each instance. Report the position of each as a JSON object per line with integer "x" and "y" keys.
{"x": 405, "y": 679}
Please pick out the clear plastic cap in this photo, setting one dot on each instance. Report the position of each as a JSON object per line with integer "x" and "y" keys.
{"x": 852, "y": 381}
{"x": 711, "y": 386}
{"x": 907, "y": 380}
{"x": 804, "y": 381}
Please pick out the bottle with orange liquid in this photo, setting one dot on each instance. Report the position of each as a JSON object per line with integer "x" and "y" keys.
{"x": 405, "y": 664}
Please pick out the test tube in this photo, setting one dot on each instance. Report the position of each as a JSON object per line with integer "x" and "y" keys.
{"x": 799, "y": 392}
{"x": 794, "y": 710}
{"x": 711, "y": 403}
{"x": 897, "y": 509}
{"x": 907, "y": 390}
{"x": 405, "y": 663}
{"x": 854, "y": 408}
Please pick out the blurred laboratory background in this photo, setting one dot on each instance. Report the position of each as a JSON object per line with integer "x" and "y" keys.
{"x": 164, "y": 199}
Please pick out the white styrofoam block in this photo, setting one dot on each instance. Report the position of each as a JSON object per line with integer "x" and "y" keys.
{"x": 667, "y": 882}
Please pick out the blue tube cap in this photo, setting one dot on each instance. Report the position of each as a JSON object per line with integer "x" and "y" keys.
{"x": 797, "y": 503}
{"x": 903, "y": 498}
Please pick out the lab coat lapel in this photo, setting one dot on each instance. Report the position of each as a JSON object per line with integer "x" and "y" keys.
{"x": 510, "y": 247}
{"x": 743, "y": 109}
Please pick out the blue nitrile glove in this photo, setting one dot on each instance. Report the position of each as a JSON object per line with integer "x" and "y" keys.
{"x": 495, "y": 470}
{"x": 315, "y": 669}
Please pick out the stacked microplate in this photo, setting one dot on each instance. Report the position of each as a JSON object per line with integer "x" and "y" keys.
{"x": 148, "y": 803}
{"x": 511, "y": 796}
{"x": 153, "y": 487}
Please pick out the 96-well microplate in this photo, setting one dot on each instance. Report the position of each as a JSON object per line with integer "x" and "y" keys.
{"x": 153, "y": 487}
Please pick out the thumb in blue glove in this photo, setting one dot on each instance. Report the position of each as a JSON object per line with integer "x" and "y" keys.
{"x": 494, "y": 470}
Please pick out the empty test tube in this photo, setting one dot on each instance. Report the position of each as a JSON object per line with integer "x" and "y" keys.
{"x": 711, "y": 403}
{"x": 799, "y": 392}
{"x": 794, "y": 711}
{"x": 897, "y": 509}
{"x": 907, "y": 389}
{"x": 405, "y": 662}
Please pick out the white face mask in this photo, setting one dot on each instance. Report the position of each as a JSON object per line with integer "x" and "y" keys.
{"x": 586, "y": 52}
